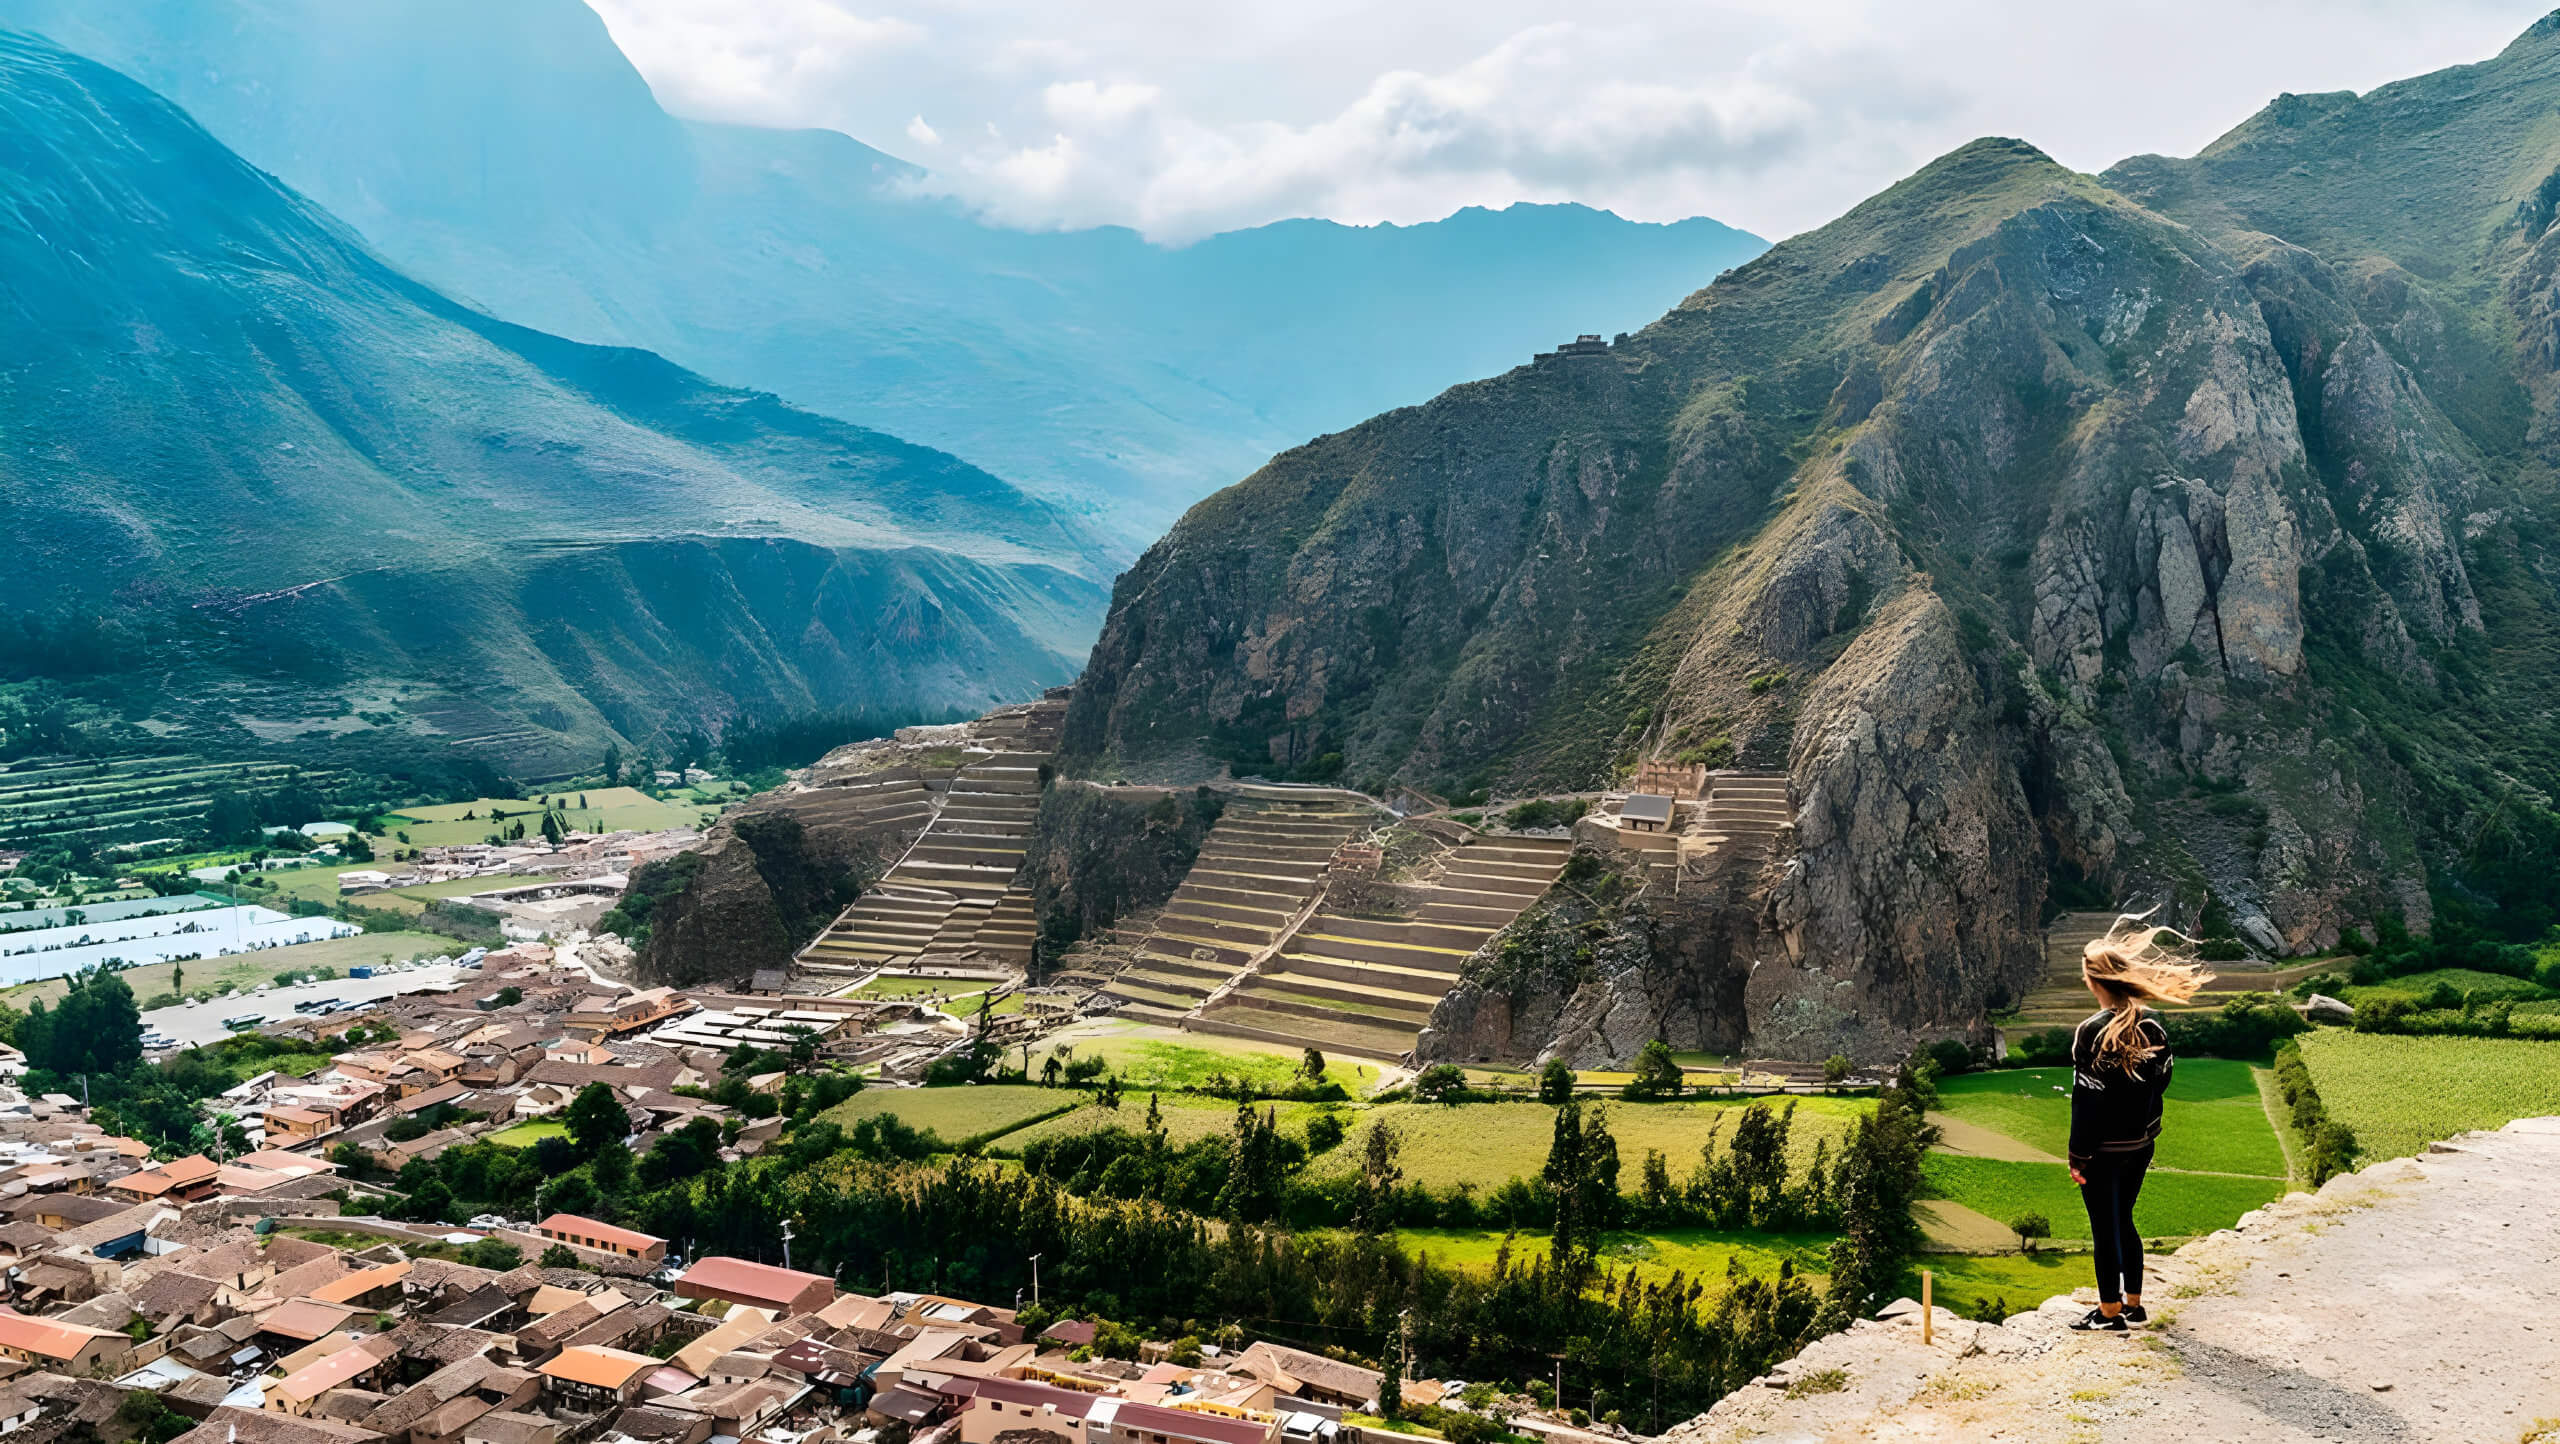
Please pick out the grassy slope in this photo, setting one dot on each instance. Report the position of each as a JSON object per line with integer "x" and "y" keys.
{"x": 2172, "y": 1204}
{"x": 2400, "y": 1094}
{"x": 958, "y": 1114}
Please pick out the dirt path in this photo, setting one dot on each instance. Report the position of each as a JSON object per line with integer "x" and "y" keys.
{"x": 1972, "y": 1140}
{"x": 2400, "y": 1305}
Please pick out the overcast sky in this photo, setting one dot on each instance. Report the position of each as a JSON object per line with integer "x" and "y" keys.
{"x": 1182, "y": 118}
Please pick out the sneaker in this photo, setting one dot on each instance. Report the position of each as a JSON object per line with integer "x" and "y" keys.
{"x": 2134, "y": 1314}
{"x": 2099, "y": 1321}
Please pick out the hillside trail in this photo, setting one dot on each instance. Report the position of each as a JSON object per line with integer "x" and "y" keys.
{"x": 2405, "y": 1304}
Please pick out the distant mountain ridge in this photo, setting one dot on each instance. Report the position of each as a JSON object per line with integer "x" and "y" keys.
{"x": 215, "y": 398}
{"x": 504, "y": 151}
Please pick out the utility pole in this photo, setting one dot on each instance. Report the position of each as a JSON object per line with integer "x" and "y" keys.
{"x": 786, "y": 1243}
{"x": 1035, "y": 1281}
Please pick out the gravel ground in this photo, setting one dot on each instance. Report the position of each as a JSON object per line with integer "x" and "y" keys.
{"x": 2407, "y": 1304}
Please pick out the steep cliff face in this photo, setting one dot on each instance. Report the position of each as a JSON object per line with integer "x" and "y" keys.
{"x": 1097, "y": 854}
{"x": 2159, "y": 535}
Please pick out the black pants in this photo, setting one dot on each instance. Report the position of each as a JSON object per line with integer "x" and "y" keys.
{"x": 2115, "y": 1180}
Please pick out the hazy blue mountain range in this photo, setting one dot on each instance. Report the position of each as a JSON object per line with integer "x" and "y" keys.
{"x": 213, "y": 391}
{"x": 506, "y": 152}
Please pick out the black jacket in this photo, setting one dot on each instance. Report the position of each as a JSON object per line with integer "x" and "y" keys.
{"x": 2116, "y": 1109}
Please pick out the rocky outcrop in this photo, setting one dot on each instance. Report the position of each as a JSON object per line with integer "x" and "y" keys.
{"x": 766, "y": 881}
{"x": 1099, "y": 853}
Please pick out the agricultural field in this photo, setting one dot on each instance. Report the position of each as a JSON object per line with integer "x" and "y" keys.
{"x": 1489, "y": 1144}
{"x": 1188, "y": 1118}
{"x": 961, "y": 1115}
{"x": 1701, "y": 1254}
{"x": 607, "y": 809}
{"x": 2214, "y": 1121}
{"x": 2173, "y": 1204}
{"x": 2401, "y": 1094}
{"x": 123, "y": 798}
{"x": 2529, "y": 997}
{"x": 1163, "y": 1059}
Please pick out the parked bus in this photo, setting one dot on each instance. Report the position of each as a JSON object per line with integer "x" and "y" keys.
{"x": 245, "y": 1020}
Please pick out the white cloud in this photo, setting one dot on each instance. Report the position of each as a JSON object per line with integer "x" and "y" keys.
{"x": 1182, "y": 119}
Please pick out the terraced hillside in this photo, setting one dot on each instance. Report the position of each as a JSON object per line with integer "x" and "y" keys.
{"x": 958, "y": 889}
{"x": 1366, "y": 986}
{"x": 63, "y": 799}
{"x": 1255, "y": 875}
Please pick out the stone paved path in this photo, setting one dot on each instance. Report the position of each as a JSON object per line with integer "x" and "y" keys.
{"x": 2410, "y": 1303}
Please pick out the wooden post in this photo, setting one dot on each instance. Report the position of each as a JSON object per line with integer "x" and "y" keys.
{"x": 1925, "y": 1282}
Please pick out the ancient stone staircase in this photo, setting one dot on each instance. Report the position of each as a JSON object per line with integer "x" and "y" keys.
{"x": 1366, "y": 986}
{"x": 1745, "y": 815}
{"x": 1256, "y": 871}
{"x": 958, "y": 890}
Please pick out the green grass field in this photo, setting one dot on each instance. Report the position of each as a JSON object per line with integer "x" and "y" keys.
{"x": 2023, "y": 1280}
{"x": 2213, "y": 1122}
{"x": 1188, "y": 1118}
{"x": 2401, "y": 1094}
{"x": 608, "y": 809}
{"x": 1488, "y": 1144}
{"x": 528, "y": 1133}
{"x": 962, "y": 1114}
{"x": 1701, "y": 1254}
{"x": 1148, "y": 1058}
{"x": 2172, "y": 1204}
{"x": 961, "y": 995}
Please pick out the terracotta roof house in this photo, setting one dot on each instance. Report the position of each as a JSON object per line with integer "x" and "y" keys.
{"x": 596, "y": 1376}
{"x": 569, "y": 1228}
{"x": 1310, "y": 1376}
{"x": 742, "y": 1281}
{"x": 1004, "y": 1405}
{"x": 1122, "y": 1421}
{"x": 354, "y": 1366}
{"x": 190, "y": 1178}
{"x": 65, "y": 1348}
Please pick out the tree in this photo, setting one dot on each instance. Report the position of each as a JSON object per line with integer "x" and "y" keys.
{"x": 595, "y": 1118}
{"x": 1391, "y": 1382}
{"x": 96, "y": 1028}
{"x": 1311, "y": 1066}
{"x": 1555, "y": 1082}
{"x": 1878, "y": 1178}
{"x": 1835, "y": 1069}
{"x": 1049, "y": 1070}
{"x": 1581, "y": 1177}
{"x": 572, "y": 1192}
{"x": 559, "y": 1256}
{"x": 2029, "y": 1227}
{"x": 612, "y": 1166}
{"x": 612, "y": 768}
{"x": 1256, "y": 1164}
{"x": 1109, "y": 1094}
{"x": 551, "y": 830}
{"x": 1657, "y": 1073}
{"x": 431, "y": 1202}
{"x": 1373, "y": 1198}
{"x": 494, "y": 1254}
{"x": 1441, "y": 1083}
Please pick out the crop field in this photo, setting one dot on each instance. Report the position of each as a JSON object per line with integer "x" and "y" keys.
{"x": 1488, "y": 1144}
{"x": 2401, "y": 1094}
{"x": 1701, "y": 1254}
{"x": 1188, "y": 1118}
{"x": 2172, "y": 1204}
{"x": 608, "y": 809}
{"x": 962, "y": 1114}
{"x": 121, "y": 798}
{"x": 2214, "y": 1121}
{"x": 1149, "y": 1058}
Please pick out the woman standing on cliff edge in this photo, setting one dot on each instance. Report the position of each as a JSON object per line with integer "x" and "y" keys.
{"x": 2120, "y": 1064}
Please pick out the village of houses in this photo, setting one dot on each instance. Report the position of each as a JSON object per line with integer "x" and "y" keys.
{"x": 199, "y": 1281}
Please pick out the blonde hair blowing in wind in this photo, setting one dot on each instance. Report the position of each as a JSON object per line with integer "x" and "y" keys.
{"x": 2132, "y": 965}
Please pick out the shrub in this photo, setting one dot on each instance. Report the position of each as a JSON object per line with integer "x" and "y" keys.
{"x": 1544, "y": 812}
{"x": 1657, "y": 1075}
{"x": 2222, "y": 950}
{"x": 1952, "y": 1055}
{"x": 1441, "y": 1083}
{"x": 1555, "y": 1082}
{"x": 2029, "y": 1227}
{"x": 1324, "y": 1131}
{"x": 2043, "y": 1048}
{"x": 1835, "y": 1069}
